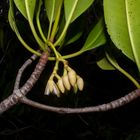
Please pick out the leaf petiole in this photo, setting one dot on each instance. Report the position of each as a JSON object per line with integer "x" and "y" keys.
{"x": 39, "y": 41}
{"x": 115, "y": 64}
{"x": 38, "y": 22}
{"x": 67, "y": 24}
{"x": 55, "y": 26}
{"x": 13, "y": 25}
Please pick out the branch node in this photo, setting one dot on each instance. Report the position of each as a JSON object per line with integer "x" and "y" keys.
{"x": 18, "y": 93}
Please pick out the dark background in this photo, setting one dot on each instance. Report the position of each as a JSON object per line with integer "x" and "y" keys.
{"x": 23, "y": 122}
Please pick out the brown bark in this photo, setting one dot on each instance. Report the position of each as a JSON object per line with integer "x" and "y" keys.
{"x": 19, "y": 93}
{"x": 100, "y": 108}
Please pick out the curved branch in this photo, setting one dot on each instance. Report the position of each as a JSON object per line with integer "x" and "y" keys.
{"x": 35, "y": 75}
{"x": 21, "y": 70}
{"x": 100, "y": 108}
{"x": 19, "y": 93}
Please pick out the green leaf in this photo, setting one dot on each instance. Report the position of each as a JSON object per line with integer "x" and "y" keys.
{"x": 105, "y": 64}
{"x": 114, "y": 63}
{"x": 20, "y": 4}
{"x": 96, "y": 37}
{"x": 12, "y": 23}
{"x": 30, "y": 8}
{"x": 75, "y": 31}
{"x": 74, "y": 38}
{"x": 38, "y": 8}
{"x": 53, "y": 10}
{"x": 61, "y": 26}
{"x": 74, "y": 8}
{"x": 11, "y": 18}
{"x": 123, "y": 24}
{"x": 52, "y": 7}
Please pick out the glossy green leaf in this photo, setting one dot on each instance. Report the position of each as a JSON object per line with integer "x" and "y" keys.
{"x": 30, "y": 7}
{"x": 61, "y": 26}
{"x": 113, "y": 61}
{"x": 74, "y": 8}
{"x": 74, "y": 38}
{"x": 10, "y": 20}
{"x": 53, "y": 10}
{"x": 20, "y": 4}
{"x": 52, "y": 7}
{"x": 104, "y": 64}
{"x": 75, "y": 31}
{"x": 96, "y": 37}
{"x": 11, "y": 15}
{"x": 38, "y": 8}
{"x": 12, "y": 23}
{"x": 123, "y": 24}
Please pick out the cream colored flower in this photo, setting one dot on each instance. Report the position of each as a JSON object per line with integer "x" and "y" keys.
{"x": 52, "y": 88}
{"x": 80, "y": 83}
{"x": 66, "y": 82}
{"x": 61, "y": 85}
{"x": 72, "y": 77}
{"x": 56, "y": 90}
{"x": 49, "y": 87}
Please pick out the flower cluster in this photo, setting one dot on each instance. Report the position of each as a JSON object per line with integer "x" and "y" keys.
{"x": 66, "y": 82}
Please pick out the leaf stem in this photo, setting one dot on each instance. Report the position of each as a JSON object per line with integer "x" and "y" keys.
{"x": 68, "y": 56}
{"x": 51, "y": 21}
{"x": 72, "y": 55}
{"x": 39, "y": 41}
{"x": 66, "y": 25}
{"x": 115, "y": 64}
{"x": 38, "y": 22}
{"x": 132, "y": 41}
{"x": 25, "y": 44}
{"x": 54, "y": 50}
{"x": 55, "y": 26}
{"x": 14, "y": 26}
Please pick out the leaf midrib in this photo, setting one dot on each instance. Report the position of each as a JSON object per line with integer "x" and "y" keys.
{"x": 130, "y": 34}
{"x": 99, "y": 33}
{"x": 67, "y": 23}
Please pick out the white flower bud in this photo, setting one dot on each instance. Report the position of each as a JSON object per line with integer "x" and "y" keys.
{"x": 56, "y": 90}
{"x": 72, "y": 77}
{"x": 50, "y": 85}
{"x": 80, "y": 83}
{"x": 60, "y": 85}
{"x": 47, "y": 90}
{"x": 66, "y": 82}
